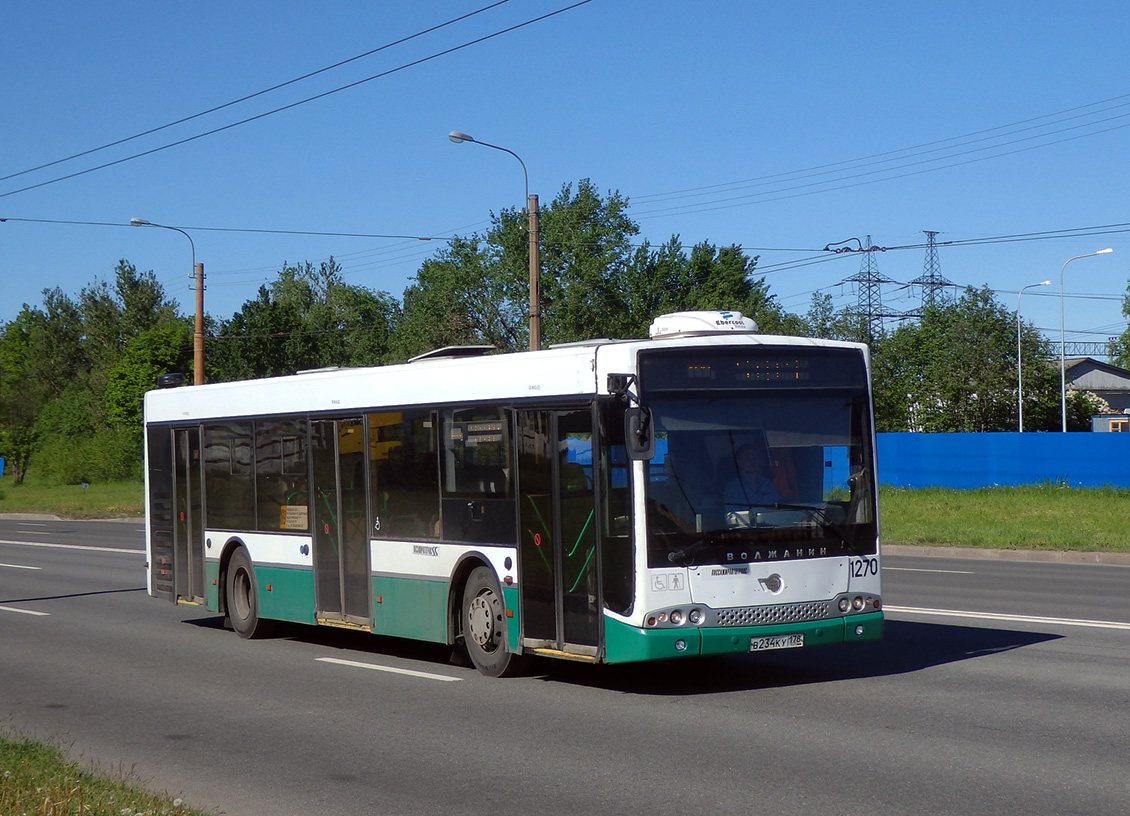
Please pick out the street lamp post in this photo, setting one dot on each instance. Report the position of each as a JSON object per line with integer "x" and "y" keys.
{"x": 1019, "y": 390}
{"x": 1062, "y": 344}
{"x": 198, "y": 276}
{"x": 535, "y": 258}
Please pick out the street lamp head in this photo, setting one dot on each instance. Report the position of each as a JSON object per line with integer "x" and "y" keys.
{"x": 139, "y": 222}
{"x": 1044, "y": 283}
{"x": 1104, "y": 251}
{"x": 458, "y": 137}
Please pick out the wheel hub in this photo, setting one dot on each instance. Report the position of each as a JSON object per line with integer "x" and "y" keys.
{"x": 480, "y": 622}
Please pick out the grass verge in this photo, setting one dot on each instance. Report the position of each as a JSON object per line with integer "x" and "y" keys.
{"x": 36, "y": 779}
{"x": 99, "y": 500}
{"x": 1031, "y": 517}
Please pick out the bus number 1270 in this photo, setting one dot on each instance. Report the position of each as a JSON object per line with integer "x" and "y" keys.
{"x": 862, "y": 567}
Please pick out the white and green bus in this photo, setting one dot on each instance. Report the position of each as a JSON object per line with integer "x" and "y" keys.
{"x": 584, "y": 502}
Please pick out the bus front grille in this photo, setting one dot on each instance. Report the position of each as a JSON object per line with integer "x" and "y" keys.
{"x": 777, "y": 613}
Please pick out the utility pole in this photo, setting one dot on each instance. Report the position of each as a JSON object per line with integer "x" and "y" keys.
{"x": 198, "y": 334}
{"x": 535, "y": 274}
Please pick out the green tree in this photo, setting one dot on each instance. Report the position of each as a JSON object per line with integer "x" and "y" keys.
{"x": 1121, "y": 350}
{"x": 459, "y": 298}
{"x": 822, "y": 320}
{"x": 955, "y": 371}
{"x": 55, "y": 366}
{"x": 21, "y": 395}
{"x": 158, "y": 350}
{"x": 306, "y": 318}
{"x": 669, "y": 280}
{"x": 593, "y": 282}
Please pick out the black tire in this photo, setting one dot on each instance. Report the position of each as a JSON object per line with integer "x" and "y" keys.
{"x": 242, "y": 598}
{"x": 483, "y": 620}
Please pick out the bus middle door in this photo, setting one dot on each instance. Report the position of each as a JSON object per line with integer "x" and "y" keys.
{"x": 341, "y": 543}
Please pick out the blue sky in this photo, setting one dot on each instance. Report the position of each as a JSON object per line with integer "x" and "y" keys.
{"x": 780, "y": 127}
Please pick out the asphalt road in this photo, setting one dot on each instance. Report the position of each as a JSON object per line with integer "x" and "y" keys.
{"x": 1002, "y": 687}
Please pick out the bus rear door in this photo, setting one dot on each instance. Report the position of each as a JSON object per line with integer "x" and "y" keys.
{"x": 176, "y": 517}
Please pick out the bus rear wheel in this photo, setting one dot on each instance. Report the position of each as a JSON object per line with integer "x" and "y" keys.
{"x": 242, "y": 594}
{"x": 484, "y": 625}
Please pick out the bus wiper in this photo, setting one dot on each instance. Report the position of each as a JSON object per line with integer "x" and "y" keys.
{"x": 820, "y": 516}
{"x": 679, "y": 556}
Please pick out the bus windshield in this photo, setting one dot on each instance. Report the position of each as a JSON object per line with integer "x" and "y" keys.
{"x": 758, "y": 457}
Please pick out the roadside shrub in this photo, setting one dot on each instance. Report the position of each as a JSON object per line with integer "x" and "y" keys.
{"x": 107, "y": 455}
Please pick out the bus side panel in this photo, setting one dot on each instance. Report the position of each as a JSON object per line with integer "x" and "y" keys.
{"x": 410, "y": 607}
{"x": 511, "y": 600}
{"x": 286, "y": 594}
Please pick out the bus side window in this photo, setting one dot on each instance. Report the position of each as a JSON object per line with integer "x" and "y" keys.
{"x": 404, "y": 475}
{"x": 280, "y": 476}
{"x": 477, "y": 489}
{"x": 229, "y": 476}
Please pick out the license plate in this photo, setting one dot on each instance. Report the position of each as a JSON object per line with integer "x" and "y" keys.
{"x": 761, "y": 644}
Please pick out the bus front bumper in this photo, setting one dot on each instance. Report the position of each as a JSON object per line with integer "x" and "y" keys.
{"x": 625, "y": 643}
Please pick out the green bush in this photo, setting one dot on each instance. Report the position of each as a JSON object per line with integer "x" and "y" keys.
{"x": 103, "y": 456}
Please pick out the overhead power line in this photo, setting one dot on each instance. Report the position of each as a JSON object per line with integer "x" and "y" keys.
{"x": 322, "y": 95}
{"x": 913, "y": 150}
{"x": 280, "y": 85}
{"x": 842, "y": 175}
{"x": 231, "y": 229}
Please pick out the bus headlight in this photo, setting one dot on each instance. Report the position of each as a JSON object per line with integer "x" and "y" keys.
{"x": 694, "y": 617}
{"x": 844, "y": 604}
{"x": 676, "y": 616}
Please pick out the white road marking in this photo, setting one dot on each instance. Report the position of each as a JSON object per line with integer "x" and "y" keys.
{"x": 73, "y": 547}
{"x": 389, "y": 669}
{"x": 913, "y": 569}
{"x": 24, "y": 611}
{"x": 1000, "y": 616}
{"x": 19, "y": 566}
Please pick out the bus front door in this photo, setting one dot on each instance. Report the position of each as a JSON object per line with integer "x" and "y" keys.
{"x": 560, "y": 599}
{"x": 341, "y": 551}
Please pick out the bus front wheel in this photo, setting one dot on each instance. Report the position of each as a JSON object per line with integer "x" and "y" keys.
{"x": 484, "y": 625}
{"x": 242, "y": 593}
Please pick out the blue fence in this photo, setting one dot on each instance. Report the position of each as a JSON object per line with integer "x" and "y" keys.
{"x": 968, "y": 460}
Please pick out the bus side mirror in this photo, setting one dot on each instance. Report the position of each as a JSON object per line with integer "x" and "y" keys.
{"x": 638, "y": 438}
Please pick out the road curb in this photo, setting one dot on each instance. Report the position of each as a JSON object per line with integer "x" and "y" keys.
{"x": 1054, "y": 556}
{"x": 49, "y": 517}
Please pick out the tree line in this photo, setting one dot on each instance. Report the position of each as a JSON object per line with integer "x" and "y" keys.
{"x": 73, "y": 370}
